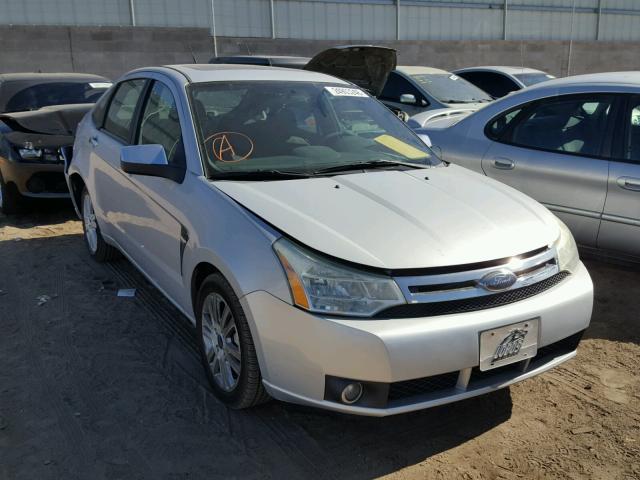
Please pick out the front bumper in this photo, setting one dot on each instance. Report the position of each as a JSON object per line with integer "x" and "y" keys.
{"x": 298, "y": 350}
{"x": 38, "y": 180}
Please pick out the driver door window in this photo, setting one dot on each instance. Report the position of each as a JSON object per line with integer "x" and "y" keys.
{"x": 160, "y": 124}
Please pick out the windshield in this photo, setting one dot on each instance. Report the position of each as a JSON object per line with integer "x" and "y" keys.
{"x": 532, "y": 78}
{"x": 450, "y": 88}
{"x": 55, "y": 93}
{"x": 299, "y": 127}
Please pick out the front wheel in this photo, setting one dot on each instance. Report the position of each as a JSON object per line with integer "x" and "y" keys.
{"x": 226, "y": 345}
{"x": 100, "y": 250}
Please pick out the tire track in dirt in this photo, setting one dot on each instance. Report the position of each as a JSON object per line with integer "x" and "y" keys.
{"x": 68, "y": 424}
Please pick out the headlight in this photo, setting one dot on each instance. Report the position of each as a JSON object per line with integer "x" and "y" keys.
{"x": 323, "y": 286}
{"x": 567, "y": 250}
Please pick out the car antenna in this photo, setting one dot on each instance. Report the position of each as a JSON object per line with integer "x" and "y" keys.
{"x": 193, "y": 56}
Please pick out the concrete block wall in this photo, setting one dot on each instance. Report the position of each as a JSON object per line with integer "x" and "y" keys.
{"x": 111, "y": 51}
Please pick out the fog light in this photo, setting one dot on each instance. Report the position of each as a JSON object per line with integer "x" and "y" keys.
{"x": 36, "y": 185}
{"x": 352, "y": 393}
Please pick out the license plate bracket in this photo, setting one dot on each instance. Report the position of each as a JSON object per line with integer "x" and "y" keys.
{"x": 508, "y": 344}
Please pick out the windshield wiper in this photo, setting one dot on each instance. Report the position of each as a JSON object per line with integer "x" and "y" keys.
{"x": 258, "y": 175}
{"x": 366, "y": 165}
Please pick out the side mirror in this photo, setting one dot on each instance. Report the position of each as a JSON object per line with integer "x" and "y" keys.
{"x": 408, "y": 98}
{"x": 149, "y": 160}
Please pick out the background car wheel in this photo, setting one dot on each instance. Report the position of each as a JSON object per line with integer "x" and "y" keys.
{"x": 98, "y": 248}
{"x": 226, "y": 346}
{"x": 10, "y": 199}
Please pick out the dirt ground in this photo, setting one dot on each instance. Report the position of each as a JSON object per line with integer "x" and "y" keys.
{"x": 97, "y": 386}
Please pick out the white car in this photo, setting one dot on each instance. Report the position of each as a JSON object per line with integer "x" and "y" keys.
{"x": 324, "y": 254}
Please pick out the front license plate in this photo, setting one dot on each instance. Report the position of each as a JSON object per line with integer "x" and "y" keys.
{"x": 508, "y": 344}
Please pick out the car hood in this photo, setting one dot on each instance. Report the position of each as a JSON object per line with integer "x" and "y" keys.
{"x": 53, "y": 120}
{"x": 367, "y": 66}
{"x": 439, "y": 118}
{"x": 399, "y": 219}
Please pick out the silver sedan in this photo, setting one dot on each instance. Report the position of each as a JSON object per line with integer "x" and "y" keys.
{"x": 323, "y": 253}
{"x": 573, "y": 144}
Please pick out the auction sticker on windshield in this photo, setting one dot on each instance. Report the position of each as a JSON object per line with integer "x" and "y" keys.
{"x": 345, "y": 92}
{"x": 508, "y": 344}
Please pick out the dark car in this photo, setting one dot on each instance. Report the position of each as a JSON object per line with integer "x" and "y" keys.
{"x": 501, "y": 81}
{"x": 39, "y": 113}
{"x": 284, "y": 61}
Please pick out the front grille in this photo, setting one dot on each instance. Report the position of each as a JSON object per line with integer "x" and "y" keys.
{"x": 47, "y": 182}
{"x": 420, "y": 386}
{"x": 416, "y": 310}
{"x": 560, "y": 347}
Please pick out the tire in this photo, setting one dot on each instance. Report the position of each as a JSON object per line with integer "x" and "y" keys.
{"x": 11, "y": 201}
{"x": 226, "y": 346}
{"x": 100, "y": 250}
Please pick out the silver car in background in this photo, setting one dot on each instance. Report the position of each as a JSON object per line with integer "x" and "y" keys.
{"x": 323, "y": 253}
{"x": 573, "y": 144}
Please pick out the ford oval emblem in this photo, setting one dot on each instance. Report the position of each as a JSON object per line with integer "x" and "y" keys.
{"x": 498, "y": 280}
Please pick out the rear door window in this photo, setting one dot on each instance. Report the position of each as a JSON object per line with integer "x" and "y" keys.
{"x": 122, "y": 107}
{"x": 632, "y": 142}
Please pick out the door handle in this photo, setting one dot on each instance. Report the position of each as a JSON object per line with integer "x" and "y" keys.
{"x": 629, "y": 183}
{"x": 93, "y": 141}
{"x": 504, "y": 163}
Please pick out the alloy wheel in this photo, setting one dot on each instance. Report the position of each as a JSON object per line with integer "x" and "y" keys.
{"x": 221, "y": 342}
{"x": 90, "y": 224}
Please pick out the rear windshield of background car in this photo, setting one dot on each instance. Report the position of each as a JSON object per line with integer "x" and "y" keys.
{"x": 450, "y": 88}
{"x": 533, "y": 78}
{"x": 33, "y": 97}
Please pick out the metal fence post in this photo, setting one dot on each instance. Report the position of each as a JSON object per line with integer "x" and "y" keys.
{"x": 598, "y": 20}
{"x": 273, "y": 19}
{"x": 213, "y": 28}
{"x": 504, "y": 20}
{"x": 397, "y": 19}
{"x": 132, "y": 12}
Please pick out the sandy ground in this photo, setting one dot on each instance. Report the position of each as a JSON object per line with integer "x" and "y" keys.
{"x": 97, "y": 386}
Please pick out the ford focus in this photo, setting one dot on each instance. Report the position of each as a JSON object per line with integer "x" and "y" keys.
{"x": 323, "y": 253}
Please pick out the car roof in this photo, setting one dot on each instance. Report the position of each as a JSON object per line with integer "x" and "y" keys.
{"x": 277, "y": 57}
{"x": 500, "y": 69}
{"x": 623, "y": 79}
{"x": 418, "y": 70}
{"x": 206, "y": 72}
{"x": 49, "y": 76}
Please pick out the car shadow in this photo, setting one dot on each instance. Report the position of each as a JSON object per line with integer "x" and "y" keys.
{"x": 616, "y": 290}
{"x": 348, "y": 446}
{"x": 40, "y": 213}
